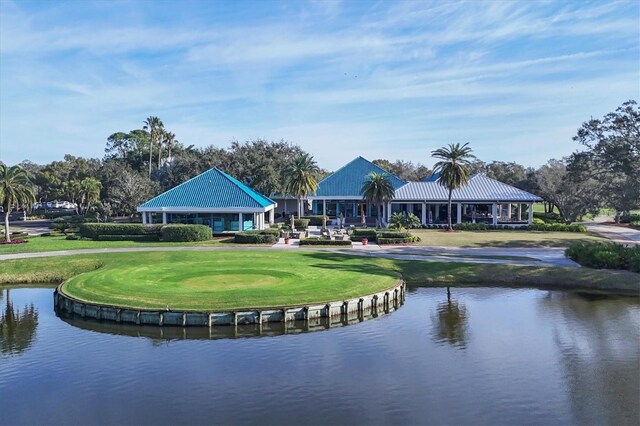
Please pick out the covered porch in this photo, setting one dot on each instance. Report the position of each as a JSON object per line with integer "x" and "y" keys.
{"x": 220, "y": 220}
{"x": 496, "y": 213}
{"x": 352, "y": 210}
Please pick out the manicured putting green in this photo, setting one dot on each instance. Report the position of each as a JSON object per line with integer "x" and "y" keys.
{"x": 223, "y": 280}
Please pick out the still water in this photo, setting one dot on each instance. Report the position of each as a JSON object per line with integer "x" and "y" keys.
{"x": 482, "y": 356}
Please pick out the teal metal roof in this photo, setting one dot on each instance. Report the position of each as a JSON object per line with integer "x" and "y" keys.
{"x": 211, "y": 189}
{"x": 348, "y": 180}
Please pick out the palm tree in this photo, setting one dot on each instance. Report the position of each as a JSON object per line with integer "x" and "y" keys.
{"x": 155, "y": 127}
{"x": 377, "y": 189}
{"x": 451, "y": 322}
{"x": 89, "y": 191}
{"x": 17, "y": 328}
{"x": 301, "y": 175}
{"x": 15, "y": 189}
{"x": 169, "y": 141}
{"x": 453, "y": 168}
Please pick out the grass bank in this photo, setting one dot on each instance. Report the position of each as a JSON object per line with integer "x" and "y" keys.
{"x": 267, "y": 278}
{"x": 501, "y": 239}
{"x": 56, "y": 243}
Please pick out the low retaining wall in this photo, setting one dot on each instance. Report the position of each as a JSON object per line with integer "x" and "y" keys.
{"x": 371, "y": 303}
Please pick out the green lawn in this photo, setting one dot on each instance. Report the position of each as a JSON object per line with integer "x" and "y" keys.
{"x": 233, "y": 279}
{"x": 228, "y": 280}
{"x": 57, "y": 243}
{"x": 498, "y": 239}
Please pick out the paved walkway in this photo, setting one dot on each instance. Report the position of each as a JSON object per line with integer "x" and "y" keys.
{"x": 618, "y": 234}
{"x": 515, "y": 256}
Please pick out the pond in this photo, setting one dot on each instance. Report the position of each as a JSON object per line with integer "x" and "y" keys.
{"x": 482, "y": 355}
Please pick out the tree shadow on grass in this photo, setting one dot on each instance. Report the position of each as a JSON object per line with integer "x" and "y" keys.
{"x": 351, "y": 263}
{"x": 561, "y": 243}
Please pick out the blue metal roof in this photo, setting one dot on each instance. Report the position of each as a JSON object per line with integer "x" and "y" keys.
{"x": 479, "y": 188}
{"x": 349, "y": 179}
{"x": 432, "y": 178}
{"x": 211, "y": 189}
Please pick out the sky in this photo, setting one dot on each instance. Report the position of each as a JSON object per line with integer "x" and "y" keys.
{"x": 381, "y": 79}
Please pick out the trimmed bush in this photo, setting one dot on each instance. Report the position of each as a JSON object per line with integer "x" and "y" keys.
{"x": 557, "y": 227}
{"x": 549, "y": 217}
{"x": 94, "y": 230}
{"x": 468, "y": 226}
{"x": 635, "y": 224}
{"x": 359, "y": 233}
{"x": 185, "y": 233}
{"x": 301, "y": 223}
{"x": 605, "y": 255}
{"x": 256, "y": 237}
{"x": 70, "y": 223}
{"x": 324, "y": 242}
{"x": 628, "y": 218}
{"x": 73, "y": 237}
{"x": 393, "y": 234}
{"x": 406, "y": 240}
{"x": 150, "y": 237}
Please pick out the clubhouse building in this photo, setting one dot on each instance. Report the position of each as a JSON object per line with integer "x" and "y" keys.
{"x": 218, "y": 200}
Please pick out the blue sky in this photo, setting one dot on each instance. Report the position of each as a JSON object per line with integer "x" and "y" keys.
{"x": 380, "y": 79}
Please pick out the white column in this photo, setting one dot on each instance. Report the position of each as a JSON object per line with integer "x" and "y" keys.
{"x": 530, "y": 213}
{"x": 437, "y": 218}
{"x": 271, "y": 216}
{"x": 150, "y": 217}
{"x": 494, "y": 213}
{"x": 240, "y": 222}
{"x": 509, "y": 211}
{"x": 324, "y": 207}
{"x": 519, "y": 212}
{"x": 424, "y": 213}
{"x": 144, "y": 218}
{"x": 459, "y": 215}
{"x": 388, "y": 212}
{"x": 164, "y": 218}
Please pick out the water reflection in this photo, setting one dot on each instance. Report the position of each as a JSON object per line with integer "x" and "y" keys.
{"x": 599, "y": 361}
{"x": 17, "y": 327}
{"x": 168, "y": 333}
{"x": 450, "y": 322}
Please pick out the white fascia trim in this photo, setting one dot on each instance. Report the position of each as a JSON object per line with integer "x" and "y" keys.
{"x": 204, "y": 209}
{"x": 445, "y": 200}
{"x": 336, "y": 198}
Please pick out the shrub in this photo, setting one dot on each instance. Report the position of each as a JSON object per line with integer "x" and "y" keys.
{"x": 256, "y": 237}
{"x": 324, "y": 242}
{"x": 95, "y": 230}
{"x": 150, "y": 237}
{"x": 605, "y": 255}
{"x": 468, "y": 226}
{"x": 549, "y": 217}
{"x": 404, "y": 220}
{"x": 185, "y": 233}
{"x": 16, "y": 241}
{"x": 301, "y": 223}
{"x": 70, "y": 223}
{"x": 73, "y": 237}
{"x": 393, "y": 234}
{"x": 406, "y": 240}
{"x": 360, "y": 233}
{"x": 557, "y": 227}
{"x": 635, "y": 224}
{"x": 628, "y": 218}
{"x": 315, "y": 220}
{"x": 538, "y": 221}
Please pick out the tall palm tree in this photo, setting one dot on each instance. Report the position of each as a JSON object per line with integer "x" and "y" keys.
{"x": 301, "y": 174}
{"x": 155, "y": 127}
{"x": 17, "y": 328}
{"x": 15, "y": 189}
{"x": 453, "y": 168}
{"x": 377, "y": 189}
{"x": 169, "y": 139}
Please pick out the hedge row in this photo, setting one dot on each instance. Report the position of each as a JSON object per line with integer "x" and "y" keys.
{"x": 628, "y": 218}
{"x": 268, "y": 236}
{"x": 185, "y": 233}
{"x": 547, "y": 227}
{"x": 94, "y": 230}
{"x": 324, "y": 242}
{"x": 557, "y": 227}
{"x": 301, "y": 223}
{"x": 635, "y": 224}
{"x": 605, "y": 255}
{"x": 405, "y": 240}
{"x": 150, "y": 237}
{"x": 393, "y": 234}
{"x": 369, "y": 234}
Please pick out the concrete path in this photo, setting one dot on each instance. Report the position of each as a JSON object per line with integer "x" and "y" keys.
{"x": 618, "y": 234}
{"x": 536, "y": 257}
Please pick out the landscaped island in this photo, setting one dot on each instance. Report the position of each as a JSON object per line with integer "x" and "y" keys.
{"x": 229, "y": 280}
